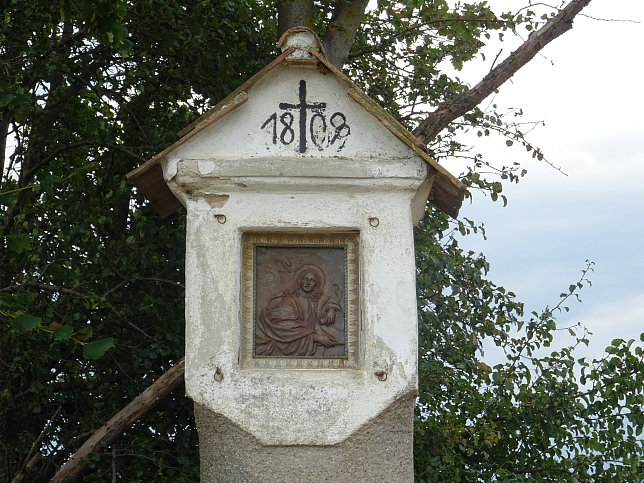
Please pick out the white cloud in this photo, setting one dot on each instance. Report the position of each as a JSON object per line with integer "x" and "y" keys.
{"x": 621, "y": 317}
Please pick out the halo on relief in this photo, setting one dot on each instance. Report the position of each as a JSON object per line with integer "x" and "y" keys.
{"x": 315, "y": 270}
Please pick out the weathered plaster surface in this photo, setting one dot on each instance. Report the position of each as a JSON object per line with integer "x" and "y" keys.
{"x": 237, "y": 176}
{"x": 239, "y": 134}
{"x": 331, "y": 404}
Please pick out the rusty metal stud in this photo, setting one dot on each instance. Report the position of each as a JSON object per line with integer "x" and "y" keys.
{"x": 373, "y": 221}
{"x": 220, "y": 218}
{"x": 219, "y": 376}
{"x": 381, "y": 375}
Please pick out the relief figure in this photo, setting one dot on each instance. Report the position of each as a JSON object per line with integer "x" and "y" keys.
{"x": 300, "y": 320}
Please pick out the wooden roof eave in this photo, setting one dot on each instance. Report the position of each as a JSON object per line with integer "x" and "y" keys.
{"x": 447, "y": 191}
{"x": 148, "y": 178}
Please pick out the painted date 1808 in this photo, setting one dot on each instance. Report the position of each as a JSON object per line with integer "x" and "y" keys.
{"x": 294, "y": 122}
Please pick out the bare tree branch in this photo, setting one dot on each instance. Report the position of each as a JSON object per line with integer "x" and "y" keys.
{"x": 111, "y": 430}
{"x": 462, "y": 103}
{"x": 29, "y": 460}
{"x": 45, "y": 286}
{"x": 22, "y": 474}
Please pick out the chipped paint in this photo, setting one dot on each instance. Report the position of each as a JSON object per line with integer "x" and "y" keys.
{"x": 216, "y": 201}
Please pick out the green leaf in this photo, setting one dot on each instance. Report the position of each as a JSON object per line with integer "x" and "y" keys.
{"x": 85, "y": 333}
{"x": 64, "y": 332}
{"x": 5, "y": 99}
{"x": 97, "y": 348}
{"x": 25, "y": 322}
{"x": 19, "y": 243}
{"x": 47, "y": 182}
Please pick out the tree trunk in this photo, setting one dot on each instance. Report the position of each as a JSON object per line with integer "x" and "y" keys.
{"x": 344, "y": 23}
{"x": 5, "y": 122}
{"x": 341, "y": 30}
{"x": 294, "y": 13}
{"x": 462, "y": 103}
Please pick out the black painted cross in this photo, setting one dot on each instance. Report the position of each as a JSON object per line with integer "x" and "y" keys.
{"x": 302, "y": 107}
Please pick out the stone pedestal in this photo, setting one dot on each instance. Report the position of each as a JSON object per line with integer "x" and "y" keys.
{"x": 381, "y": 450}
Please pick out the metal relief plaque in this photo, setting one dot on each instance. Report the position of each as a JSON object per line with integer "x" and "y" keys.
{"x": 299, "y": 300}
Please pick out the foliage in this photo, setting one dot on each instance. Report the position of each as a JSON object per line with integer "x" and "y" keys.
{"x": 91, "y": 294}
{"x": 535, "y": 414}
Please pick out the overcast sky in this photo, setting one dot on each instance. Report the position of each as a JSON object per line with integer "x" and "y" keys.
{"x": 587, "y": 88}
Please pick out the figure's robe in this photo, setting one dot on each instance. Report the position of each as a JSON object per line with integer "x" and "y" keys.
{"x": 288, "y": 323}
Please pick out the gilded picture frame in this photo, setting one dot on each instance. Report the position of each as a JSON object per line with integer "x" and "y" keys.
{"x": 300, "y": 300}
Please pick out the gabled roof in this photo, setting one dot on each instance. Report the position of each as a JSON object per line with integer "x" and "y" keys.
{"x": 446, "y": 192}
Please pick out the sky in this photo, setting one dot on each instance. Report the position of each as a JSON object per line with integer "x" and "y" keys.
{"x": 586, "y": 87}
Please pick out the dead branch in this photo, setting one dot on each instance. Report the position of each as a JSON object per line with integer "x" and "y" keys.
{"x": 32, "y": 459}
{"x": 463, "y": 103}
{"x": 111, "y": 430}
